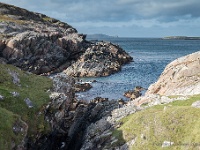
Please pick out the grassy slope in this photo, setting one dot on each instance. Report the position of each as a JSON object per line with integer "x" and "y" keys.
{"x": 177, "y": 122}
{"x": 32, "y": 87}
{"x": 7, "y": 119}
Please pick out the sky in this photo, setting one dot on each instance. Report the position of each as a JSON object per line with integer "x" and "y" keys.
{"x": 123, "y": 18}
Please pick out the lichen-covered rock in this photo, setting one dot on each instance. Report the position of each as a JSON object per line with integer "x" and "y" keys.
{"x": 100, "y": 59}
{"x": 180, "y": 77}
{"x": 62, "y": 98}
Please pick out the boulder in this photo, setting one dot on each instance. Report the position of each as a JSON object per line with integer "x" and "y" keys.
{"x": 82, "y": 87}
{"x": 167, "y": 143}
{"x": 1, "y": 97}
{"x": 28, "y": 102}
{"x": 135, "y": 93}
{"x": 196, "y": 104}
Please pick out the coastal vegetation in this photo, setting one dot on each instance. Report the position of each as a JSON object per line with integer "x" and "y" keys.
{"x": 176, "y": 122}
{"x": 15, "y": 87}
{"x": 6, "y": 18}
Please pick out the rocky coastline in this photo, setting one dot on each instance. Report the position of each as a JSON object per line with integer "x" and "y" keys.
{"x": 79, "y": 124}
{"x": 41, "y": 45}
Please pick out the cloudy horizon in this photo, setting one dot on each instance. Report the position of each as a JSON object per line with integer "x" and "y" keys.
{"x": 124, "y": 18}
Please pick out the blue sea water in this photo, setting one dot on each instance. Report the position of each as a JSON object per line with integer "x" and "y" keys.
{"x": 150, "y": 56}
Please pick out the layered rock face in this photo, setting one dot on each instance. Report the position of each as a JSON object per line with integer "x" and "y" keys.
{"x": 39, "y": 44}
{"x": 180, "y": 77}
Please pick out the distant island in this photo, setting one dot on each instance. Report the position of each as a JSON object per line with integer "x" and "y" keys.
{"x": 180, "y": 38}
{"x": 99, "y": 36}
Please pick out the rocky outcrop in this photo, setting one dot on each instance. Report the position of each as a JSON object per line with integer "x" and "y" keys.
{"x": 180, "y": 77}
{"x": 69, "y": 124}
{"x": 155, "y": 99}
{"x": 100, "y": 59}
{"x": 99, "y": 136}
{"x": 82, "y": 87}
{"x": 133, "y": 94}
{"x": 78, "y": 125}
{"x": 43, "y": 45}
{"x": 39, "y": 47}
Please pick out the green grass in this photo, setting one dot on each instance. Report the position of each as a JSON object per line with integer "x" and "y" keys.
{"x": 9, "y": 19}
{"x": 47, "y": 19}
{"x": 7, "y": 119}
{"x": 178, "y": 123}
{"x": 187, "y": 102}
{"x": 31, "y": 86}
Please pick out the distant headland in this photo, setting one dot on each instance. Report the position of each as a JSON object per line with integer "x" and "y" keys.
{"x": 180, "y": 38}
{"x": 100, "y": 36}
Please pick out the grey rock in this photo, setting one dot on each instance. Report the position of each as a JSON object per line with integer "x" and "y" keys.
{"x": 82, "y": 87}
{"x": 135, "y": 93}
{"x": 28, "y": 102}
{"x": 98, "y": 132}
{"x": 15, "y": 94}
{"x": 167, "y": 144}
{"x": 101, "y": 59}
{"x": 127, "y": 145}
{"x": 1, "y": 97}
{"x": 15, "y": 76}
{"x": 196, "y": 104}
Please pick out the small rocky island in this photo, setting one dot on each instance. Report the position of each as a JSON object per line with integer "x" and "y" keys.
{"x": 39, "y": 58}
{"x": 180, "y": 38}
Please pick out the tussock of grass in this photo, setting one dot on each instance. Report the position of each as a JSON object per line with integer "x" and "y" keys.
{"x": 31, "y": 86}
{"x": 47, "y": 19}
{"x": 177, "y": 122}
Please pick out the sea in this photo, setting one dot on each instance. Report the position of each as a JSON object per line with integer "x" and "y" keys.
{"x": 150, "y": 57}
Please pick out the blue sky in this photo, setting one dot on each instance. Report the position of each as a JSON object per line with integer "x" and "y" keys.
{"x": 125, "y": 18}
